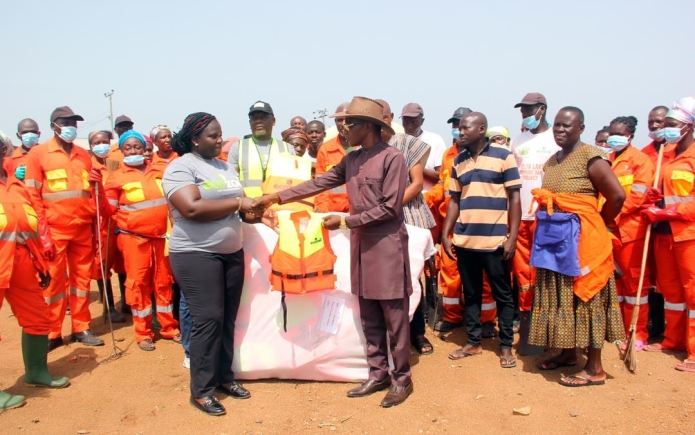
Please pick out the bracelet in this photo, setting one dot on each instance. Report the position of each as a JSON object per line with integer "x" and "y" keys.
{"x": 238, "y": 198}
{"x": 343, "y": 224}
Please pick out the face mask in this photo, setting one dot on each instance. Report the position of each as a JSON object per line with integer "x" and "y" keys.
{"x": 20, "y": 172}
{"x": 136, "y": 160}
{"x": 30, "y": 139}
{"x": 531, "y": 122}
{"x": 68, "y": 134}
{"x": 617, "y": 143}
{"x": 455, "y": 132}
{"x": 101, "y": 150}
{"x": 673, "y": 134}
{"x": 657, "y": 135}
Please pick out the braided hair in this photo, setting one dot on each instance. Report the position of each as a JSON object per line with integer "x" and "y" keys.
{"x": 193, "y": 125}
{"x": 628, "y": 121}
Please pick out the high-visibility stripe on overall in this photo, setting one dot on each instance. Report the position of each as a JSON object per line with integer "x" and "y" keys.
{"x": 252, "y": 170}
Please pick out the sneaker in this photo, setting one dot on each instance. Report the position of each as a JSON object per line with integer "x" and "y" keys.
{"x": 186, "y": 362}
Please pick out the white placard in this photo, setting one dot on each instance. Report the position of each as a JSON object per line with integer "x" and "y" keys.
{"x": 331, "y": 313}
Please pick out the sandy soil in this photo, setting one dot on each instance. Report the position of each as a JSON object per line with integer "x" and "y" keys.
{"x": 147, "y": 393}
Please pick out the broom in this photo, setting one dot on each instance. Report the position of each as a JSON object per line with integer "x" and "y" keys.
{"x": 630, "y": 352}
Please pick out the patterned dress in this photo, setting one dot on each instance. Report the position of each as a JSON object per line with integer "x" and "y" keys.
{"x": 559, "y": 318}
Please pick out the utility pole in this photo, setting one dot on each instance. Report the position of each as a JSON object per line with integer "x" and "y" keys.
{"x": 109, "y": 95}
{"x": 321, "y": 113}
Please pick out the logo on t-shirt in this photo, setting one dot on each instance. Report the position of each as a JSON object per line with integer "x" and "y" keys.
{"x": 221, "y": 184}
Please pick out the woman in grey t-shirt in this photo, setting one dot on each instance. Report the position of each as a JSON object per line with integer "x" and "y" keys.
{"x": 206, "y": 256}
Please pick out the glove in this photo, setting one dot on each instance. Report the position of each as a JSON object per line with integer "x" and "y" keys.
{"x": 20, "y": 172}
{"x": 95, "y": 176}
{"x": 652, "y": 196}
{"x": 656, "y": 214}
{"x": 49, "y": 250}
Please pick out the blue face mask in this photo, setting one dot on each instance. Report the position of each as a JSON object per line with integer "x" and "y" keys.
{"x": 101, "y": 150}
{"x": 673, "y": 134}
{"x": 531, "y": 122}
{"x": 455, "y": 132}
{"x": 29, "y": 139}
{"x": 20, "y": 172}
{"x": 657, "y": 135}
{"x": 135, "y": 160}
{"x": 68, "y": 133}
{"x": 617, "y": 143}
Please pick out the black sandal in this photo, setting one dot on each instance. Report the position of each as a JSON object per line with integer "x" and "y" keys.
{"x": 420, "y": 343}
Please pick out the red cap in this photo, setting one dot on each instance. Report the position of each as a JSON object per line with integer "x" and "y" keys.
{"x": 531, "y": 99}
{"x": 412, "y": 110}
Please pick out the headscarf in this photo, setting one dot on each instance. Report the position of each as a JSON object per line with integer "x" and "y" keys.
{"x": 128, "y": 134}
{"x": 95, "y": 132}
{"x": 497, "y": 131}
{"x": 683, "y": 110}
{"x": 294, "y": 132}
{"x": 156, "y": 129}
{"x": 5, "y": 139}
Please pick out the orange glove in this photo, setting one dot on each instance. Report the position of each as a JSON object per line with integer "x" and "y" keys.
{"x": 656, "y": 214}
{"x": 653, "y": 196}
{"x": 95, "y": 176}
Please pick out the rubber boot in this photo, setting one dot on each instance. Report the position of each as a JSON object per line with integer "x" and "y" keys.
{"x": 9, "y": 401}
{"x": 34, "y": 351}
{"x": 125, "y": 308}
{"x": 526, "y": 349}
{"x": 656, "y": 314}
{"x": 115, "y": 316}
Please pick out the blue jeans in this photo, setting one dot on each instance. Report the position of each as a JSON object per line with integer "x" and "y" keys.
{"x": 185, "y": 324}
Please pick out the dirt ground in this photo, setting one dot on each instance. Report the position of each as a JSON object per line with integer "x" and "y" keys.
{"x": 147, "y": 393}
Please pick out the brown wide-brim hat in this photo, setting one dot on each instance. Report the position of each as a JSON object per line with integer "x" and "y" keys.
{"x": 367, "y": 109}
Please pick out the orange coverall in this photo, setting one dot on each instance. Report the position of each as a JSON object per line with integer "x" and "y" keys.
{"x": 449, "y": 278}
{"x": 21, "y": 255}
{"x": 17, "y": 159}
{"x": 60, "y": 191}
{"x": 675, "y": 252}
{"x": 111, "y": 254}
{"x": 635, "y": 173}
{"x": 329, "y": 155}
{"x": 137, "y": 200}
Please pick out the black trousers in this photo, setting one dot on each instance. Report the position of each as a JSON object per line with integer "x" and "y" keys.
{"x": 471, "y": 265}
{"x": 211, "y": 284}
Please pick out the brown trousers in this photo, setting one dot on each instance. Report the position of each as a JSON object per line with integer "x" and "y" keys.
{"x": 380, "y": 317}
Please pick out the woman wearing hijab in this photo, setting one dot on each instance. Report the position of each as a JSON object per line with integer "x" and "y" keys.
{"x": 161, "y": 136}
{"x": 135, "y": 197}
{"x": 674, "y": 242}
{"x": 297, "y": 138}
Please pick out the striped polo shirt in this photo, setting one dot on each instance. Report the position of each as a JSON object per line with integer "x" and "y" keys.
{"x": 482, "y": 183}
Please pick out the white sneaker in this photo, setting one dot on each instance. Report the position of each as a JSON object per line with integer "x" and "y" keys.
{"x": 186, "y": 363}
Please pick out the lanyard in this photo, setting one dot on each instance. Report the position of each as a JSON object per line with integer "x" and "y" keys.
{"x": 264, "y": 162}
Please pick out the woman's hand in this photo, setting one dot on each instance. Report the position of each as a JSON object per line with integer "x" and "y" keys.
{"x": 246, "y": 205}
{"x": 270, "y": 219}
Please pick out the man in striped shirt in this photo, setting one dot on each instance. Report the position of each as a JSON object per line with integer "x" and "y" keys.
{"x": 486, "y": 210}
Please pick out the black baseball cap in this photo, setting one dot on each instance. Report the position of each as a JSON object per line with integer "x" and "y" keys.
{"x": 261, "y": 106}
{"x": 66, "y": 113}
{"x": 123, "y": 119}
{"x": 459, "y": 114}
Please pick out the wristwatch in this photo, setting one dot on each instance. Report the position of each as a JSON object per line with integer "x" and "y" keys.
{"x": 343, "y": 224}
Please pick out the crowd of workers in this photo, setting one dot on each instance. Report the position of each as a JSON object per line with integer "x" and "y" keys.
{"x": 540, "y": 234}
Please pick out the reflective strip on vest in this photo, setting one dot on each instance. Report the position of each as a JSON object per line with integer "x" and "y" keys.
{"x": 141, "y": 313}
{"x": 79, "y": 293}
{"x": 33, "y": 183}
{"x": 670, "y": 200}
{"x": 451, "y": 301}
{"x": 69, "y": 194}
{"x": 165, "y": 308}
{"x": 621, "y": 299}
{"x": 691, "y": 314}
{"x": 633, "y": 300}
{"x": 487, "y": 307}
{"x": 144, "y": 204}
{"x": 674, "y": 307}
{"x": 639, "y": 188}
{"x": 55, "y": 298}
{"x": 113, "y": 202}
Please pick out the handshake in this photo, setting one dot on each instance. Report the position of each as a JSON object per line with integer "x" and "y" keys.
{"x": 258, "y": 208}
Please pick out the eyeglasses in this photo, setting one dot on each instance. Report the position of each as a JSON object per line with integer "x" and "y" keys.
{"x": 347, "y": 127}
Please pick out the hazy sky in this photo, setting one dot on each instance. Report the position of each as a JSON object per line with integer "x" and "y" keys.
{"x": 166, "y": 59}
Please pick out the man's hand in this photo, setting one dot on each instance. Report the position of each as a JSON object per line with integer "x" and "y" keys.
{"x": 261, "y": 204}
{"x": 332, "y": 222}
{"x": 509, "y": 247}
{"x": 448, "y": 247}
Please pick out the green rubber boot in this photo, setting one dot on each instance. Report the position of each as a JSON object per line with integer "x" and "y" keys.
{"x": 34, "y": 350}
{"x": 9, "y": 401}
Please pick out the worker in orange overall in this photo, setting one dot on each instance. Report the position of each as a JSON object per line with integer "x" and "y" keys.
{"x": 635, "y": 172}
{"x": 57, "y": 180}
{"x": 24, "y": 272}
{"x": 135, "y": 197}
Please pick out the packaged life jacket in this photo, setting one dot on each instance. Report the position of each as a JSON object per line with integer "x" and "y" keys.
{"x": 288, "y": 171}
{"x": 303, "y": 260}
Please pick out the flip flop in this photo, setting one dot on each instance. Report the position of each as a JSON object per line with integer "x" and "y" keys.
{"x": 587, "y": 382}
{"x": 461, "y": 354}
{"x": 551, "y": 364}
{"x": 507, "y": 362}
{"x": 656, "y": 347}
{"x": 686, "y": 366}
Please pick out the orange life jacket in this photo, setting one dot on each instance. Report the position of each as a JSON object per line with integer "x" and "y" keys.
{"x": 286, "y": 172}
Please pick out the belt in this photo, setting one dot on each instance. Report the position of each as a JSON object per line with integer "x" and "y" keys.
{"x": 306, "y": 275}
